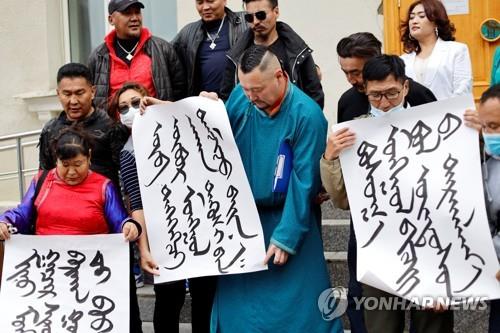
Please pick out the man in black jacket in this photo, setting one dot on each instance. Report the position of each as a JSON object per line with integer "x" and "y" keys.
{"x": 76, "y": 94}
{"x": 293, "y": 53}
{"x": 131, "y": 53}
{"x": 202, "y": 45}
{"x": 354, "y": 51}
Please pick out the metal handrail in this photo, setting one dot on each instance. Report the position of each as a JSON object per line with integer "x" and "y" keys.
{"x": 31, "y": 172}
{"x": 21, "y": 171}
{"x": 20, "y": 135}
{"x": 24, "y": 144}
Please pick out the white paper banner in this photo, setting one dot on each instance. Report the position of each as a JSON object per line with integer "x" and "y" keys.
{"x": 65, "y": 284}
{"x": 415, "y": 190}
{"x": 199, "y": 209}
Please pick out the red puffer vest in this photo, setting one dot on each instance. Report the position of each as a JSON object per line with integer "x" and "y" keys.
{"x": 139, "y": 70}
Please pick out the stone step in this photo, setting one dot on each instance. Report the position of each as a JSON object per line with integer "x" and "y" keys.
{"x": 466, "y": 321}
{"x": 335, "y": 234}
{"x": 183, "y": 328}
{"x": 334, "y": 227}
{"x": 147, "y": 327}
{"x": 336, "y": 263}
{"x": 330, "y": 212}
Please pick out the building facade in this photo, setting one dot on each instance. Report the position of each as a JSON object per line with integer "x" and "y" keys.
{"x": 38, "y": 36}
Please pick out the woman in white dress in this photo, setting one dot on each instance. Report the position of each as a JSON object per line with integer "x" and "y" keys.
{"x": 432, "y": 57}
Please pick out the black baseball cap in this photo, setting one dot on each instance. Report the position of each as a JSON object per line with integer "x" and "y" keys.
{"x": 121, "y": 5}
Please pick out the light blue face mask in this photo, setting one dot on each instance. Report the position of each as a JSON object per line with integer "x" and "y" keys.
{"x": 492, "y": 143}
{"x": 378, "y": 113}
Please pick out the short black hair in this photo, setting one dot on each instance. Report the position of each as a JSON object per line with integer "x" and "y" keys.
{"x": 74, "y": 70}
{"x": 490, "y": 93}
{"x": 361, "y": 45}
{"x": 70, "y": 142}
{"x": 378, "y": 68}
{"x": 255, "y": 56}
{"x": 274, "y": 3}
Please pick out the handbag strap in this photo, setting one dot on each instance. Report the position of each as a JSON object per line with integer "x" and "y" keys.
{"x": 39, "y": 184}
{"x": 38, "y": 187}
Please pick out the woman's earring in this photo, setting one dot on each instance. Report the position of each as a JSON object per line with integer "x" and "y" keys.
{"x": 436, "y": 31}
{"x": 410, "y": 37}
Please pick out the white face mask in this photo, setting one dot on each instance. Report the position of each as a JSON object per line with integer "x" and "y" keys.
{"x": 127, "y": 119}
{"x": 377, "y": 112}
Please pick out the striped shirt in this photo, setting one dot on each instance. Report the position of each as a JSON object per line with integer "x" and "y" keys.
{"x": 128, "y": 172}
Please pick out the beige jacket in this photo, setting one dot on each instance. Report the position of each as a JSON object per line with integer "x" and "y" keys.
{"x": 333, "y": 181}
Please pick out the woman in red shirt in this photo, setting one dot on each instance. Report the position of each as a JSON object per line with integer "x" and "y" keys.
{"x": 96, "y": 206}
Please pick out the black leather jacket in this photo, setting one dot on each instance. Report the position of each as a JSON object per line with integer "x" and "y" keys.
{"x": 107, "y": 138}
{"x": 168, "y": 73}
{"x": 300, "y": 61}
{"x": 188, "y": 40}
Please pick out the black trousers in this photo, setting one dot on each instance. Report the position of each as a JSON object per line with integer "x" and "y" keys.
{"x": 135, "y": 316}
{"x": 170, "y": 299}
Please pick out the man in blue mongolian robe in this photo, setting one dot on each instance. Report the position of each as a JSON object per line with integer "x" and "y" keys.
{"x": 280, "y": 133}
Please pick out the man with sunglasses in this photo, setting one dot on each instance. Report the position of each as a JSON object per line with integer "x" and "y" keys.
{"x": 202, "y": 45}
{"x": 386, "y": 87}
{"x": 294, "y": 54}
{"x": 130, "y": 52}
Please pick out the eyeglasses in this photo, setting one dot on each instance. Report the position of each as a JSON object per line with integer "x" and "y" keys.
{"x": 260, "y": 15}
{"x": 389, "y": 95}
{"x": 135, "y": 103}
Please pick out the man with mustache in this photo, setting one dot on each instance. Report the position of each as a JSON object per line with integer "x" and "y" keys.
{"x": 293, "y": 53}
{"x": 131, "y": 53}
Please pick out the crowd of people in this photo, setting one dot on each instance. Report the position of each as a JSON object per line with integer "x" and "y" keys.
{"x": 266, "y": 74}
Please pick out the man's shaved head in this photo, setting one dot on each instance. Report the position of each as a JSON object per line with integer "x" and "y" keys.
{"x": 258, "y": 56}
{"x": 262, "y": 77}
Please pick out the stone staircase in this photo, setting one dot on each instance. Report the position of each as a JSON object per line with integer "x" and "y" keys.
{"x": 335, "y": 232}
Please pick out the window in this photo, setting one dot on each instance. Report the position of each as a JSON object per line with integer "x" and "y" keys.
{"x": 88, "y": 23}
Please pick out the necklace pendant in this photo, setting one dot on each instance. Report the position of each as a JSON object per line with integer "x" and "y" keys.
{"x": 129, "y": 57}
{"x": 213, "y": 45}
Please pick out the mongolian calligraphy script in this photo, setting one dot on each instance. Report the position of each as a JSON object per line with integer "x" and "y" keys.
{"x": 200, "y": 213}
{"x": 415, "y": 191}
{"x": 65, "y": 284}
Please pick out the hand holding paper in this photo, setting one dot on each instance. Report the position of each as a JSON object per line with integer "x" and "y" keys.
{"x": 338, "y": 141}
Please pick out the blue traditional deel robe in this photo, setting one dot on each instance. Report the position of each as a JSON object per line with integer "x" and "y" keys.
{"x": 283, "y": 298}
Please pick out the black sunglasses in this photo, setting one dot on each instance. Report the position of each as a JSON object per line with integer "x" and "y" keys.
{"x": 260, "y": 15}
{"x": 125, "y": 108}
